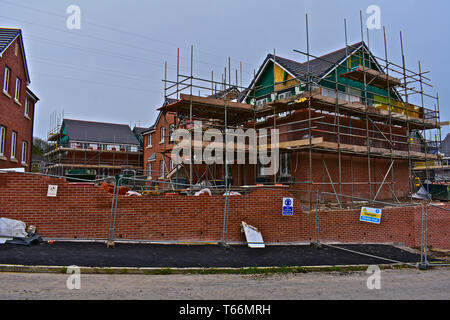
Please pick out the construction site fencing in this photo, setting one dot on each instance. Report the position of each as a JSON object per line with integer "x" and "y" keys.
{"x": 319, "y": 201}
{"x": 424, "y": 261}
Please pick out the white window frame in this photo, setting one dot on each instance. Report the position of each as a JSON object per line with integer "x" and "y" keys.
{"x": 2, "y": 140}
{"x": 171, "y": 164}
{"x": 149, "y": 170}
{"x": 13, "y": 144}
{"x": 261, "y": 102}
{"x": 6, "y": 79}
{"x": 284, "y": 95}
{"x": 27, "y": 107}
{"x": 24, "y": 151}
{"x": 149, "y": 142}
{"x": 17, "y": 93}
{"x": 162, "y": 170}
{"x": 163, "y": 133}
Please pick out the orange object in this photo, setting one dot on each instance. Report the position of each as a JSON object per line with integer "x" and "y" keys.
{"x": 123, "y": 190}
{"x": 51, "y": 241}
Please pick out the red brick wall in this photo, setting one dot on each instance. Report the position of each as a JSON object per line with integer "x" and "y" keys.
{"x": 83, "y": 212}
{"x": 12, "y": 115}
{"x": 157, "y": 147}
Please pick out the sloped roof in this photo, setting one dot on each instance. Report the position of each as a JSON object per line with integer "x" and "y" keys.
{"x": 101, "y": 132}
{"x": 319, "y": 67}
{"x": 222, "y": 93}
{"x": 139, "y": 130}
{"x": 7, "y": 36}
{"x": 152, "y": 128}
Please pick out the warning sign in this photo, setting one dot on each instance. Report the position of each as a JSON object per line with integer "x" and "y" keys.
{"x": 371, "y": 215}
{"x": 52, "y": 191}
{"x": 288, "y": 207}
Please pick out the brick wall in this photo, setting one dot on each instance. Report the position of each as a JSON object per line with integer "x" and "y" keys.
{"x": 83, "y": 212}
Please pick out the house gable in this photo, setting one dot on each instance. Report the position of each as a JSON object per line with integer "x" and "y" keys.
{"x": 11, "y": 45}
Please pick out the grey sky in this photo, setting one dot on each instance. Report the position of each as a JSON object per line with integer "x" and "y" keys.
{"x": 111, "y": 69}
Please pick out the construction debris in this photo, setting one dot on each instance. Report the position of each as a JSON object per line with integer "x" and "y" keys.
{"x": 253, "y": 236}
{"x": 13, "y": 232}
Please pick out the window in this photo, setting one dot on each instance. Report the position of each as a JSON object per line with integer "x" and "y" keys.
{"x": 285, "y": 162}
{"x": 149, "y": 141}
{"x": 284, "y": 95}
{"x": 24, "y": 152}
{"x": 261, "y": 102}
{"x": 149, "y": 170}
{"x": 172, "y": 164}
{"x": 171, "y": 128}
{"x": 27, "y": 107}
{"x": 13, "y": 144}
{"x": 163, "y": 133}
{"x": 161, "y": 164}
{"x": 2, "y": 140}
{"x": 6, "y": 79}
{"x": 17, "y": 93}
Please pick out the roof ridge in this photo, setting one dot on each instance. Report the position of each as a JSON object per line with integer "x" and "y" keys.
{"x": 319, "y": 57}
{"x": 120, "y": 124}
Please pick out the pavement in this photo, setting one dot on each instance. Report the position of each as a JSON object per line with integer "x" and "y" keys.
{"x": 400, "y": 284}
{"x": 93, "y": 254}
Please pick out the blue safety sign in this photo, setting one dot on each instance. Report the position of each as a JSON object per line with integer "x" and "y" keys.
{"x": 288, "y": 207}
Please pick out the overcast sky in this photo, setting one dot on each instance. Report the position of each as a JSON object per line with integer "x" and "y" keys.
{"x": 111, "y": 69}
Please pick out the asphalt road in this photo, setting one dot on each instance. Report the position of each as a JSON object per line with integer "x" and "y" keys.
{"x": 405, "y": 284}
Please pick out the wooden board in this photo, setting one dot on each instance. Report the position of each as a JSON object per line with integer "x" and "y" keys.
{"x": 373, "y": 77}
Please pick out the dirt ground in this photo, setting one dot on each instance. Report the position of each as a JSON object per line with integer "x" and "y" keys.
{"x": 405, "y": 284}
{"x": 238, "y": 256}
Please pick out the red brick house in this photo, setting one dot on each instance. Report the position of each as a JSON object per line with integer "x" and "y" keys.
{"x": 156, "y": 140}
{"x": 17, "y": 103}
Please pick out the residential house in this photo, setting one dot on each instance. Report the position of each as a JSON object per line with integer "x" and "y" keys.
{"x": 17, "y": 103}
{"x": 93, "y": 149}
{"x": 342, "y": 123}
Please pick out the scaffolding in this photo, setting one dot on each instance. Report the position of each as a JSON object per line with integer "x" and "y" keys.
{"x": 362, "y": 110}
{"x": 88, "y": 159}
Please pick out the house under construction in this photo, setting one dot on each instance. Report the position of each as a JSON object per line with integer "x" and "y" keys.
{"x": 350, "y": 123}
{"x": 89, "y": 150}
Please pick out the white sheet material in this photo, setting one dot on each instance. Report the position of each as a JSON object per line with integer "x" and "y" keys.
{"x": 206, "y": 190}
{"x": 253, "y": 236}
{"x": 10, "y": 228}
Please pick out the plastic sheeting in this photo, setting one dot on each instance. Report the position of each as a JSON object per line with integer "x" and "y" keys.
{"x": 10, "y": 229}
{"x": 203, "y": 191}
{"x": 13, "y": 232}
